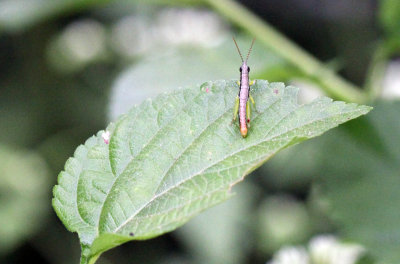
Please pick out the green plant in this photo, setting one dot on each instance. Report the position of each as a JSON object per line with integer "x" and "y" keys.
{"x": 173, "y": 157}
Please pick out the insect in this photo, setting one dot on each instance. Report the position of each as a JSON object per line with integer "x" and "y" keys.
{"x": 242, "y": 106}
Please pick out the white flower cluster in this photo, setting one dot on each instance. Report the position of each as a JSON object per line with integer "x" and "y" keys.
{"x": 324, "y": 249}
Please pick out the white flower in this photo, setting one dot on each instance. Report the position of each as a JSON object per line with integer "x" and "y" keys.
{"x": 326, "y": 249}
{"x": 291, "y": 255}
{"x": 83, "y": 40}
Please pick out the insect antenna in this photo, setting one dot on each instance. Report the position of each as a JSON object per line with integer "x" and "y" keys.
{"x": 248, "y": 54}
{"x": 238, "y": 48}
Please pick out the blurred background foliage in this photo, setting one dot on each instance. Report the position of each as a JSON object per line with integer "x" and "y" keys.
{"x": 68, "y": 67}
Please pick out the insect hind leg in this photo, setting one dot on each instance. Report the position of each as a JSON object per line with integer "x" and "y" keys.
{"x": 248, "y": 113}
{"x": 236, "y": 109}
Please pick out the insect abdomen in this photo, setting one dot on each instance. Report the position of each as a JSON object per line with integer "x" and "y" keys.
{"x": 243, "y": 97}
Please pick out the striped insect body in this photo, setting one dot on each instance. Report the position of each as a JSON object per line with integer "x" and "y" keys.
{"x": 242, "y": 106}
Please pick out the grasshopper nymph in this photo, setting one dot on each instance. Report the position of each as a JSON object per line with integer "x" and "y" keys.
{"x": 242, "y": 106}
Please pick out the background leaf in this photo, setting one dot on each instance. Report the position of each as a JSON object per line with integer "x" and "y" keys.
{"x": 23, "y": 177}
{"x": 16, "y": 15}
{"x": 230, "y": 231}
{"x": 389, "y": 16}
{"x": 173, "y": 157}
{"x": 357, "y": 179}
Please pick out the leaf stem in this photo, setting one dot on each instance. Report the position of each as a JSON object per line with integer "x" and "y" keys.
{"x": 86, "y": 258}
{"x": 329, "y": 82}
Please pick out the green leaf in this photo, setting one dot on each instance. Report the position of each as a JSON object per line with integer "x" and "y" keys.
{"x": 173, "y": 157}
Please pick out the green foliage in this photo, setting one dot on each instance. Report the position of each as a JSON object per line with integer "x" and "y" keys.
{"x": 364, "y": 193}
{"x": 282, "y": 221}
{"x": 390, "y": 16}
{"x": 230, "y": 231}
{"x": 358, "y": 178}
{"x": 23, "y": 196}
{"x": 173, "y": 157}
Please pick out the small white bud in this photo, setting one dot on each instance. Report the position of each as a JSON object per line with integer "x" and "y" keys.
{"x": 106, "y": 136}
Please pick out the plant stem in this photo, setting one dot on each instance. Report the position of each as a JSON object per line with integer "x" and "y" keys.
{"x": 376, "y": 71}
{"x": 330, "y": 83}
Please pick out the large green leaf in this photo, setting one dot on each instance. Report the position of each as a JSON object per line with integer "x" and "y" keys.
{"x": 173, "y": 157}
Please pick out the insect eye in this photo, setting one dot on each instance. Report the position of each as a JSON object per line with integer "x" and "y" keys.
{"x": 240, "y": 69}
{"x": 248, "y": 69}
